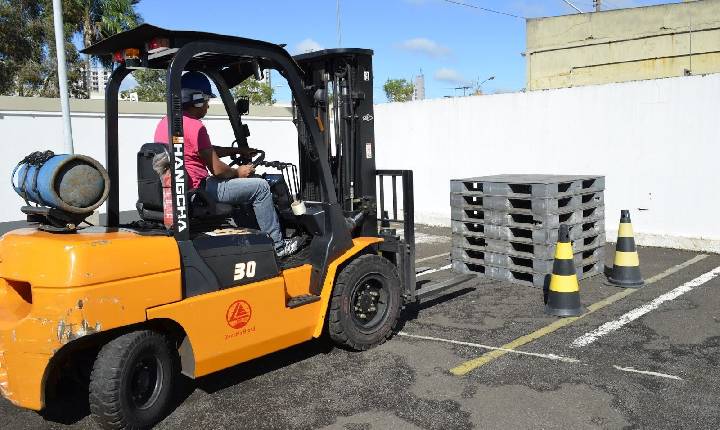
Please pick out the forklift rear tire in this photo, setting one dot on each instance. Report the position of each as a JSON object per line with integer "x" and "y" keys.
{"x": 132, "y": 381}
{"x": 366, "y": 302}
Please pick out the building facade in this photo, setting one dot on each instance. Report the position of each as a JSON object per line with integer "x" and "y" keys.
{"x": 623, "y": 45}
{"x": 97, "y": 78}
{"x": 419, "y": 87}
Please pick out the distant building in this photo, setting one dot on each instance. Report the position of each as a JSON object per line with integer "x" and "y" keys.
{"x": 419, "y": 87}
{"x": 623, "y": 45}
{"x": 97, "y": 78}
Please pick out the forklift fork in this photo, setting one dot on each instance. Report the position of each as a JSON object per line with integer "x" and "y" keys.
{"x": 401, "y": 250}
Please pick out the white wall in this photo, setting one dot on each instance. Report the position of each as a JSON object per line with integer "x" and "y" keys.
{"x": 25, "y": 131}
{"x": 657, "y": 142}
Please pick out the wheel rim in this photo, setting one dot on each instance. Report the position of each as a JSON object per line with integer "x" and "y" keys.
{"x": 369, "y": 302}
{"x": 146, "y": 382}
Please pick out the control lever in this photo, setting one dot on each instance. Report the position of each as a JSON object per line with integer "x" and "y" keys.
{"x": 353, "y": 221}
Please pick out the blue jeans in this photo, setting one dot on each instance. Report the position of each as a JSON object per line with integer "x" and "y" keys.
{"x": 249, "y": 190}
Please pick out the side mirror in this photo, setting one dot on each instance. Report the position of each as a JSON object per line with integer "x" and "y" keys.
{"x": 243, "y": 105}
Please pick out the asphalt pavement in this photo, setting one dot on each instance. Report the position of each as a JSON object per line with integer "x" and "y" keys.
{"x": 486, "y": 356}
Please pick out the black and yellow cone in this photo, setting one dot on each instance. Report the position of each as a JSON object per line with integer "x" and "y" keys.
{"x": 563, "y": 298}
{"x": 626, "y": 268}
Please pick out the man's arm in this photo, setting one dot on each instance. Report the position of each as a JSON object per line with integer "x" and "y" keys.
{"x": 210, "y": 157}
{"x": 221, "y": 170}
{"x": 224, "y": 151}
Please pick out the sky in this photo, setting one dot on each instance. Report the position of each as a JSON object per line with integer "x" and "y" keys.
{"x": 454, "y": 43}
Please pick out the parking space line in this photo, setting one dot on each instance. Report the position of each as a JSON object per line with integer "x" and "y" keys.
{"x": 493, "y": 348}
{"x": 553, "y": 357}
{"x": 636, "y": 313}
{"x": 470, "y": 365}
{"x": 649, "y": 373}
{"x": 439, "y": 269}
{"x": 432, "y": 257}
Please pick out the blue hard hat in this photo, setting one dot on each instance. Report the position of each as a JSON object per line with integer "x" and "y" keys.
{"x": 195, "y": 82}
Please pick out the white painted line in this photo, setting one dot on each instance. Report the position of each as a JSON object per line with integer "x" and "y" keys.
{"x": 426, "y": 238}
{"x": 432, "y": 257}
{"x": 675, "y": 269}
{"x": 636, "y": 313}
{"x": 439, "y": 269}
{"x": 493, "y": 348}
{"x": 647, "y": 372}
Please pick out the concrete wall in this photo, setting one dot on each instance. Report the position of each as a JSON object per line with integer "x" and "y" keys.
{"x": 655, "y": 141}
{"x": 623, "y": 45}
{"x": 34, "y": 124}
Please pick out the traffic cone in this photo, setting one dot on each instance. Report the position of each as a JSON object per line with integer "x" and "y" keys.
{"x": 563, "y": 298}
{"x": 626, "y": 268}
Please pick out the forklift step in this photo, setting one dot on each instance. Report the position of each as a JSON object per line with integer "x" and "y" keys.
{"x": 296, "y": 302}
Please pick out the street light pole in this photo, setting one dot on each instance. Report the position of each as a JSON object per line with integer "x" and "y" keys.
{"x": 62, "y": 75}
{"x": 338, "y": 29}
{"x": 488, "y": 79}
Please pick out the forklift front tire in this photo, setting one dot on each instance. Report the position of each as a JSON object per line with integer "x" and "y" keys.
{"x": 132, "y": 381}
{"x": 366, "y": 302}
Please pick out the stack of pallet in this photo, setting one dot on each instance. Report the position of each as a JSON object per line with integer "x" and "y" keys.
{"x": 506, "y": 226}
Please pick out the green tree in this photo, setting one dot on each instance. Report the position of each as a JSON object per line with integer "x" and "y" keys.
{"x": 150, "y": 85}
{"x": 398, "y": 90}
{"x": 259, "y": 93}
{"x": 28, "y": 64}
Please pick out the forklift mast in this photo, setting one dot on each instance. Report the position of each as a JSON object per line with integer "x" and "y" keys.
{"x": 340, "y": 82}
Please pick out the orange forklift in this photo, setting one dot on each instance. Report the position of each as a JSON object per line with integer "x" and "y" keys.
{"x": 126, "y": 307}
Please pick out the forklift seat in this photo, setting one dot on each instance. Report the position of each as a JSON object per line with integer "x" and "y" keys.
{"x": 150, "y": 196}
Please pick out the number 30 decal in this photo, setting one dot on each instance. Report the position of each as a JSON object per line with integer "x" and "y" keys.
{"x": 243, "y": 270}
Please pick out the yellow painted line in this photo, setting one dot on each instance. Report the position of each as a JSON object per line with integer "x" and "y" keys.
{"x": 468, "y": 366}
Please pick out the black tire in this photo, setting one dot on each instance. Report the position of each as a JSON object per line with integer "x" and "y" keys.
{"x": 359, "y": 319}
{"x": 132, "y": 381}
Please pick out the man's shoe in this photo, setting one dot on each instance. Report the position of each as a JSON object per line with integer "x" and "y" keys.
{"x": 290, "y": 246}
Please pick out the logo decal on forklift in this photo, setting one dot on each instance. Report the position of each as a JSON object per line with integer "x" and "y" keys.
{"x": 238, "y": 314}
{"x": 366, "y": 75}
{"x": 243, "y": 270}
{"x": 180, "y": 210}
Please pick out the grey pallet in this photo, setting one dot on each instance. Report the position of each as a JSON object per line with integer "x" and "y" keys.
{"x": 536, "y": 280}
{"x": 523, "y": 264}
{"x": 528, "y": 185}
{"x": 519, "y": 249}
{"x": 528, "y": 205}
{"x": 586, "y": 214}
{"x": 524, "y": 234}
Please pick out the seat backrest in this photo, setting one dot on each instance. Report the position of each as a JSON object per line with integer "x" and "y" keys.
{"x": 150, "y": 196}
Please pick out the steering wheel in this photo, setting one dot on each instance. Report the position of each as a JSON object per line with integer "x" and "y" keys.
{"x": 258, "y": 160}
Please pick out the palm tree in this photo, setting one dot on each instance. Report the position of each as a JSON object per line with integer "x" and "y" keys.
{"x": 103, "y": 18}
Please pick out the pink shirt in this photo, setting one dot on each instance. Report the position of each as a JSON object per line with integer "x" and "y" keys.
{"x": 196, "y": 139}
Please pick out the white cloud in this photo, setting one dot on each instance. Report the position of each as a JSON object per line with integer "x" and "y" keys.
{"x": 450, "y": 76}
{"x": 425, "y": 46}
{"x": 307, "y": 45}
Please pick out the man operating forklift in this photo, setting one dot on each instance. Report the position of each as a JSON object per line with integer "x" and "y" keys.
{"x": 234, "y": 186}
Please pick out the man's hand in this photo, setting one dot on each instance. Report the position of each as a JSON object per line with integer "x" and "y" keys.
{"x": 245, "y": 170}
